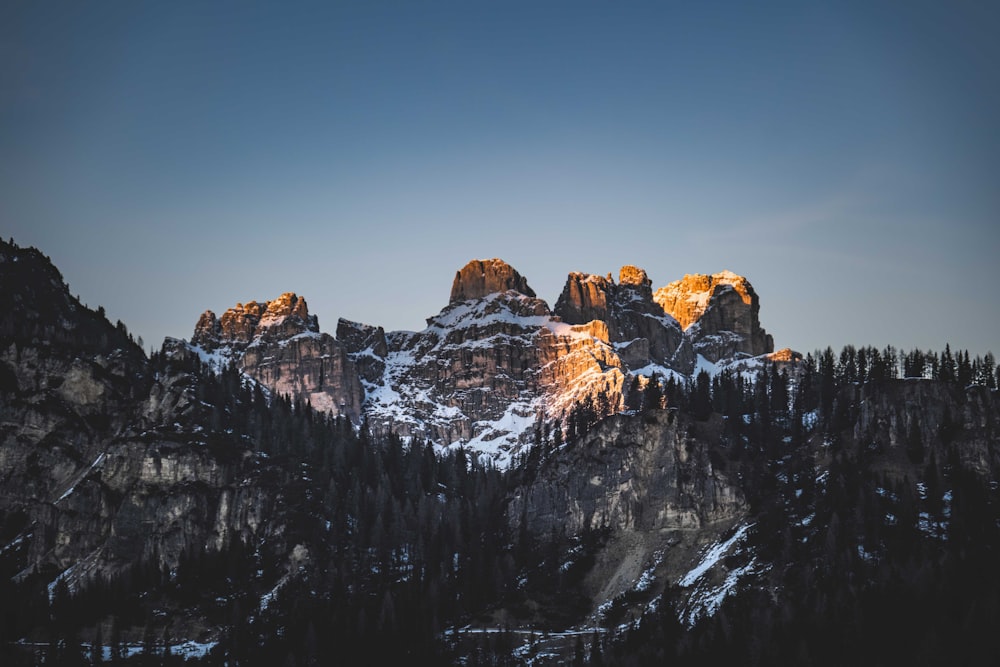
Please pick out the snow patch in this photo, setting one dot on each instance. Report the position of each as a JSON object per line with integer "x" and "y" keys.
{"x": 705, "y": 599}
{"x": 708, "y": 602}
{"x": 712, "y": 556}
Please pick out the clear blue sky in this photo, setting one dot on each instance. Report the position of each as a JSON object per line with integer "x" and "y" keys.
{"x": 176, "y": 157}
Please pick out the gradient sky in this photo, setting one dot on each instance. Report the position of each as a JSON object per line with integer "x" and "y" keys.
{"x": 844, "y": 156}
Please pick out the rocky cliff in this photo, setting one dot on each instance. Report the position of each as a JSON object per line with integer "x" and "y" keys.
{"x": 641, "y": 332}
{"x": 482, "y": 277}
{"x": 656, "y": 487}
{"x": 631, "y": 473}
{"x": 279, "y": 344}
{"x": 486, "y": 368}
{"x": 719, "y": 314}
{"x": 104, "y": 463}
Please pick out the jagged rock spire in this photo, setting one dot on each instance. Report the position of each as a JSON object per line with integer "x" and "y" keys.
{"x": 287, "y": 315}
{"x": 482, "y": 277}
{"x": 719, "y": 312}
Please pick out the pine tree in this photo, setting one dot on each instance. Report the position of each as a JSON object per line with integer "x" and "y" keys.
{"x": 946, "y": 371}
{"x": 963, "y": 372}
{"x": 652, "y": 396}
{"x": 701, "y": 400}
{"x": 987, "y": 373}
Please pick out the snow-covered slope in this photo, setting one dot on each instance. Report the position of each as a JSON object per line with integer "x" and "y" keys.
{"x": 484, "y": 372}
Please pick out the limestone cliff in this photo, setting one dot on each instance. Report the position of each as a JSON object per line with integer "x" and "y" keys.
{"x": 482, "y": 277}
{"x": 105, "y": 461}
{"x": 279, "y": 344}
{"x": 719, "y": 313}
{"x": 657, "y": 487}
{"x": 496, "y": 360}
{"x": 484, "y": 371}
{"x": 632, "y": 473}
{"x": 367, "y": 347}
{"x": 641, "y": 333}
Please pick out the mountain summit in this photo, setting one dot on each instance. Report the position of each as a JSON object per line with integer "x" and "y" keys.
{"x": 286, "y": 316}
{"x": 496, "y": 361}
{"x": 718, "y": 312}
{"x": 482, "y": 277}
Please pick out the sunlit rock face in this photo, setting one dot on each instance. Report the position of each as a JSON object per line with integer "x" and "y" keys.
{"x": 279, "y": 344}
{"x": 785, "y": 355}
{"x": 687, "y": 299}
{"x": 482, "y": 277}
{"x": 486, "y": 368}
{"x": 283, "y": 317}
{"x": 584, "y": 298}
{"x": 638, "y": 328}
{"x": 719, "y": 314}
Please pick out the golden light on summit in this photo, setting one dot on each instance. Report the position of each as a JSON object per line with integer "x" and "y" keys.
{"x": 688, "y": 298}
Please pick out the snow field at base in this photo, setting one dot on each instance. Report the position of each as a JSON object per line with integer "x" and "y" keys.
{"x": 648, "y": 575}
{"x": 63, "y": 576}
{"x": 537, "y": 647}
{"x": 193, "y": 649}
{"x": 663, "y": 372}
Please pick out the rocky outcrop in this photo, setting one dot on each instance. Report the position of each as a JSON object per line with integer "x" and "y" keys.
{"x": 496, "y": 360}
{"x": 650, "y": 473}
{"x": 637, "y": 326}
{"x": 948, "y": 420}
{"x": 279, "y": 344}
{"x": 656, "y": 488}
{"x": 284, "y": 317}
{"x": 584, "y": 298}
{"x": 482, "y": 277}
{"x": 470, "y": 377}
{"x": 105, "y": 462}
{"x": 309, "y": 366}
{"x": 719, "y": 314}
{"x": 367, "y": 346}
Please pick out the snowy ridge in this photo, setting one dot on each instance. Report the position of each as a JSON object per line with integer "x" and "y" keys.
{"x": 492, "y": 309}
{"x": 410, "y": 397}
{"x": 428, "y": 382}
{"x": 216, "y": 360}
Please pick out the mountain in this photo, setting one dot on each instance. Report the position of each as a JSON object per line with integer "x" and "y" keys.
{"x": 719, "y": 314}
{"x": 254, "y": 496}
{"x": 282, "y": 344}
{"x": 496, "y": 362}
